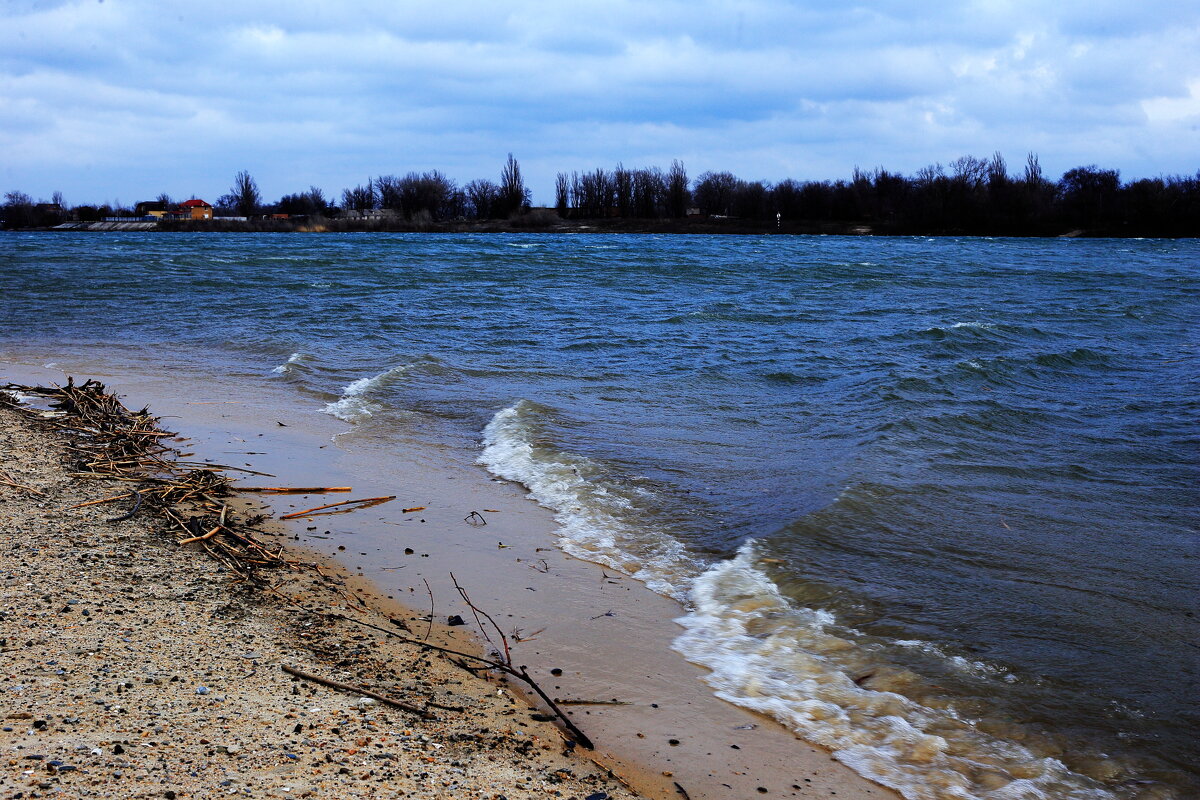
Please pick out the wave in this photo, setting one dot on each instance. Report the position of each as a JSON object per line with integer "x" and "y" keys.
{"x": 799, "y": 666}
{"x": 598, "y": 515}
{"x": 355, "y": 403}
{"x": 959, "y": 335}
{"x": 831, "y": 684}
{"x": 287, "y": 366}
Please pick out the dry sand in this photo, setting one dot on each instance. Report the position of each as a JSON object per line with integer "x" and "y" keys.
{"x": 134, "y": 667}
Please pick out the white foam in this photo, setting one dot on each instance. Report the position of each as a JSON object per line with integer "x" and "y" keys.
{"x": 796, "y": 665}
{"x": 356, "y": 403}
{"x": 285, "y": 367}
{"x": 597, "y": 517}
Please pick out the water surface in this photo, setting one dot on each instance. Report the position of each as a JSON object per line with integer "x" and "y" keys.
{"x": 931, "y": 503}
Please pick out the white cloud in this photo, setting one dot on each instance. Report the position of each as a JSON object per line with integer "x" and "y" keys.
{"x": 304, "y": 92}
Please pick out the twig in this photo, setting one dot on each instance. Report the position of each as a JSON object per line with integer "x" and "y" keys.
{"x": 477, "y": 611}
{"x": 345, "y": 687}
{"x": 682, "y": 791}
{"x": 296, "y": 489}
{"x": 7, "y": 480}
{"x": 517, "y": 672}
{"x": 429, "y": 627}
{"x": 365, "y": 502}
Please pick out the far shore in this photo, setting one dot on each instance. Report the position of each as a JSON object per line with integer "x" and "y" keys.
{"x": 547, "y": 221}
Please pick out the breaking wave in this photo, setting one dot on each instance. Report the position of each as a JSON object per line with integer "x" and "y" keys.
{"x": 827, "y": 682}
{"x": 288, "y": 366}
{"x": 601, "y": 519}
{"x": 357, "y": 401}
{"x": 799, "y": 666}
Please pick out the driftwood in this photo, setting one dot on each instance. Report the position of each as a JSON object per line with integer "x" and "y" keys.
{"x": 319, "y": 511}
{"x": 7, "y": 480}
{"x": 296, "y": 489}
{"x": 345, "y": 687}
{"x": 518, "y": 672}
{"x": 110, "y": 442}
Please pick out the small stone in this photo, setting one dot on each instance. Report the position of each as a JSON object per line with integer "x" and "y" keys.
{"x": 201, "y": 690}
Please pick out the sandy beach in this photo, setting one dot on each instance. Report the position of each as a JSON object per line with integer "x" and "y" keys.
{"x": 139, "y": 667}
{"x": 136, "y": 667}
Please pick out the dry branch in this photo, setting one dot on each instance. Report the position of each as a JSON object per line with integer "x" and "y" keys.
{"x": 345, "y": 687}
{"x": 319, "y": 511}
{"x": 296, "y": 489}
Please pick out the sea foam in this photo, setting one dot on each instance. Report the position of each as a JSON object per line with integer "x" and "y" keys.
{"x": 598, "y": 516}
{"x": 356, "y": 402}
{"x": 799, "y": 666}
{"x": 287, "y": 366}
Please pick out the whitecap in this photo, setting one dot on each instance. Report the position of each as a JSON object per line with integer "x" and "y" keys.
{"x": 356, "y": 402}
{"x": 797, "y": 665}
{"x": 598, "y": 516}
{"x": 286, "y": 367}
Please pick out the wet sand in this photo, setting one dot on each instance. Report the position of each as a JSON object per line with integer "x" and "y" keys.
{"x": 608, "y": 635}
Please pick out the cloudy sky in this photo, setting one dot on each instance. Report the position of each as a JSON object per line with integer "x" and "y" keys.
{"x": 124, "y": 99}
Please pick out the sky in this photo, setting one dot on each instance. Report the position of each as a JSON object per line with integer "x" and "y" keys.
{"x": 121, "y": 100}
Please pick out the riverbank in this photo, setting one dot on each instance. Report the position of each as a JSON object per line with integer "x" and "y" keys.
{"x": 547, "y": 221}
{"x": 586, "y": 634}
{"x": 137, "y": 667}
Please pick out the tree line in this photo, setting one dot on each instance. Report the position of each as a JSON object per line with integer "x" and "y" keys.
{"x": 970, "y": 195}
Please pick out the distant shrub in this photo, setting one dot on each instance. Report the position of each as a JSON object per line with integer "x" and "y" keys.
{"x": 535, "y": 218}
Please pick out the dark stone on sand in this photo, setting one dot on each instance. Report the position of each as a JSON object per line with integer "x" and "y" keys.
{"x": 455, "y": 619}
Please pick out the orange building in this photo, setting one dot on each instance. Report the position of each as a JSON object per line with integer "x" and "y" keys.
{"x": 196, "y": 209}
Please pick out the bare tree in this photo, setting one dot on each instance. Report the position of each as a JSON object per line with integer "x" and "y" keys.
{"x": 514, "y": 197}
{"x": 714, "y": 192}
{"x": 562, "y": 193}
{"x": 622, "y": 187}
{"x": 243, "y": 197}
{"x": 360, "y": 198}
{"x": 677, "y": 190}
{"x": 481, "y": 198}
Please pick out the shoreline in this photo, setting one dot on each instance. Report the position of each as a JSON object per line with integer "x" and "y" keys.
{"x": 700, "y": 226}
{"x": 148, "y": 670}
{"x": 664, "y": 708}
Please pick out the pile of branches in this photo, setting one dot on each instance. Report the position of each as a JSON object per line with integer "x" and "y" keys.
{"x": 111, "y": 443}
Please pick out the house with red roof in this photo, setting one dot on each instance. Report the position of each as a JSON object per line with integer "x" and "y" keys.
{"x": 195, "y": 209}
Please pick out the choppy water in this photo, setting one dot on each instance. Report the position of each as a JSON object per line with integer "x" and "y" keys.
{"x": 931, "y": 503}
